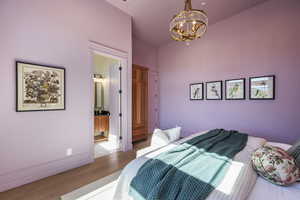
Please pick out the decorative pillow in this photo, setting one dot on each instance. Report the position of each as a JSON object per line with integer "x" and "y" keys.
{"x": 295, "y": 152}
{"x": 164, "y": 137}
{"x": 275, "y": 165}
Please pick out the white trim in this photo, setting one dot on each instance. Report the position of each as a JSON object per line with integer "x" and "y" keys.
{"x": 97, "y": 48}
{"x": 108, "y": 51}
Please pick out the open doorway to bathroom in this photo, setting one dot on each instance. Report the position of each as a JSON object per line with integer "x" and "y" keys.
{"x": 107, "y": 104}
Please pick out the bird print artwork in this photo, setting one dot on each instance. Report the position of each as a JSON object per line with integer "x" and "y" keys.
{"x": 196, "y": 91}
{"x": 215, "y": 91}
{"x": 233, "y": 91}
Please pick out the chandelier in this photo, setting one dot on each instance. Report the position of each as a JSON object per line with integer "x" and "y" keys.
{"x": 189, "y": 24}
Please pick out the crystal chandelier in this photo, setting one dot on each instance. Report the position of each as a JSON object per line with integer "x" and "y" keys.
{"x": 189, "y": 24}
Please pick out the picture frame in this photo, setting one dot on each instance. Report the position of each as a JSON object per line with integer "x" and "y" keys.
{"x": 39, "y": 87}
{"x": 235, "y": 89}
{"x": 196, "y": 91}
{"x": 214, "y": 90}
{"x": 262, "y": 88}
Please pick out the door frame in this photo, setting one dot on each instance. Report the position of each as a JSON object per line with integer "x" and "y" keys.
{"x": 125, "y": 125}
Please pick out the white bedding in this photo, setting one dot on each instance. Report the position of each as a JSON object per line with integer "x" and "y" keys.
{"x": 237, "y": 184}
{"x": 264, "y": 190}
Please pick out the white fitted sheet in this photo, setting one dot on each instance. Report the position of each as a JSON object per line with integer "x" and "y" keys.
{"x": 264, "y": 190}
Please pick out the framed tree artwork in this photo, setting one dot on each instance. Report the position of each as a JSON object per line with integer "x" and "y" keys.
{"x": 235, "y": 89}
{"x": 196, "y": 91}
{"x": 39, "y": 87}
{"x": 262, "y": 88}
{"x": 214, "y": 90}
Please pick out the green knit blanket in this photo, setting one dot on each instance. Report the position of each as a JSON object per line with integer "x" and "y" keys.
{"x": 189, "y": 171}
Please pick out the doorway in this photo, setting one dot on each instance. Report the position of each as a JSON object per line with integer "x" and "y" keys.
{"x": 124, "y": 136}
{"x": 107, "y": 104}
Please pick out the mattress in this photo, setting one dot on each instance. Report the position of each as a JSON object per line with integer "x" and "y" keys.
{"x": 265, "y": 190}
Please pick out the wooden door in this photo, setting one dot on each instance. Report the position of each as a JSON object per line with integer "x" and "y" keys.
{"x": 139, "y": 103}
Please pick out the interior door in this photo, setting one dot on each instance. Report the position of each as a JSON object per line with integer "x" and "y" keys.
{"x": 139, "y": 103}
{"x": 115, "y": 103}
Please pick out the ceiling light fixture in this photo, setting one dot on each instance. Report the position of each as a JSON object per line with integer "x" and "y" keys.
{"x": 189, "y": 24}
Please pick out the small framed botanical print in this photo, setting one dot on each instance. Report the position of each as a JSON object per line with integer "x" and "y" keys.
{"x": 262, "y": 88}
{"x": 196, "y": 91}
{"x": 39, "y": 87}
{"x": 214, "y": 90}
{"x": 235, "y": 89}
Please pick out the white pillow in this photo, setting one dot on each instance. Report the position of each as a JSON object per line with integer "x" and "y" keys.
{"x": 173, "y": 133}
{"x": 159, "y": 138}
{"x": 164, "y": 137}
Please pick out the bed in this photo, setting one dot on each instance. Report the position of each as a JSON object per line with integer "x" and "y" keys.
{"x": 236, "y": 186}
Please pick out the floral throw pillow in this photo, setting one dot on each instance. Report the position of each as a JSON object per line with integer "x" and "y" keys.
{"x": 275, "y": 165}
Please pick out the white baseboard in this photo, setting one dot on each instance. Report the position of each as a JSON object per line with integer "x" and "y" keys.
{"x": 31, "y": 174}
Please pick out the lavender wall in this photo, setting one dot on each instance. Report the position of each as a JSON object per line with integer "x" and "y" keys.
{"x": 146, "y": 55}
{"x": 33, "y": 144}
{"x": 263, "y": 40}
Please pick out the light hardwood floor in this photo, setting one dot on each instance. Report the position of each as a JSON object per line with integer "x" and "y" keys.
{"x": 51, "y": 188}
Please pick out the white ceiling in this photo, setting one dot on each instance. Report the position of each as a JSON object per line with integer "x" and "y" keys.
{"x": 151, "y": 17}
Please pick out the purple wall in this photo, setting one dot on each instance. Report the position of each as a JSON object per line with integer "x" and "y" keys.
{"x": 263, "y": 40}
{"x": 33, "y": 145}
{"x": 146, "y": 55}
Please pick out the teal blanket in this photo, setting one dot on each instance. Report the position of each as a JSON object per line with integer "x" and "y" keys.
{"x": 190, "y": 171}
